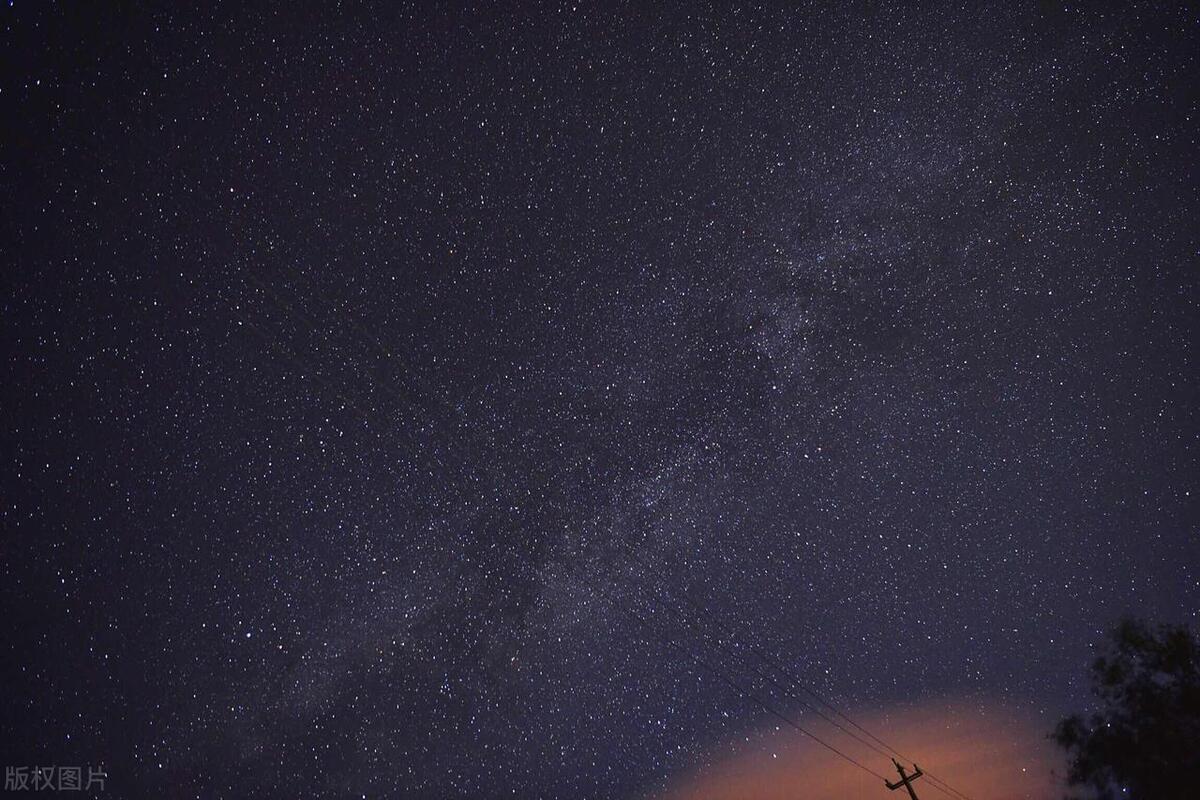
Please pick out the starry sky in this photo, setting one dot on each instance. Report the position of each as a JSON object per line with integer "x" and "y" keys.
{"x": 433, "y": 401}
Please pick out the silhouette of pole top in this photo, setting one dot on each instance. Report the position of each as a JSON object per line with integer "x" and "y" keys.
{"x": 905, "y": 779}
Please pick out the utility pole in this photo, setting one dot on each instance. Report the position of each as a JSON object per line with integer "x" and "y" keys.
{"x": 905, "y": 780}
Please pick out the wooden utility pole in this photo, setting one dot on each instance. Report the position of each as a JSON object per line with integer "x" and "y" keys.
{"x": 905, "y": 780}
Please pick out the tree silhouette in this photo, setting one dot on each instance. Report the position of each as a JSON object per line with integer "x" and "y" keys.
{"x": 1144, "y": 742}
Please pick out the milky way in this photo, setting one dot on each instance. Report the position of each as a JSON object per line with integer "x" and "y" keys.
{"x": 381, "y": 387}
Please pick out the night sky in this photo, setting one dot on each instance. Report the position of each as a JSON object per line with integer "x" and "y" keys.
{"x": 451, "y": 403}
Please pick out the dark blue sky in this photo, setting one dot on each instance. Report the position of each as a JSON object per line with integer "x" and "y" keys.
{"x": 364, "y": 368}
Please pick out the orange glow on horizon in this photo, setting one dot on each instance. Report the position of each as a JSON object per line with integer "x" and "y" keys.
{"x": 980, "y": 746}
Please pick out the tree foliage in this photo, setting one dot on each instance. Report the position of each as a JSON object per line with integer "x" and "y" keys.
{"x": 1144, "y": 741}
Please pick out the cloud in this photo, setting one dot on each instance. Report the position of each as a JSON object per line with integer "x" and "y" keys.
{"x": 986, "y": 748}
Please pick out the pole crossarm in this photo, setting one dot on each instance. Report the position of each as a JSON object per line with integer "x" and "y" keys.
{"x": 906, "y": 780}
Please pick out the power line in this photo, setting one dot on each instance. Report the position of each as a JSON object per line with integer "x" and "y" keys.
{"x": 793, "y": 679}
